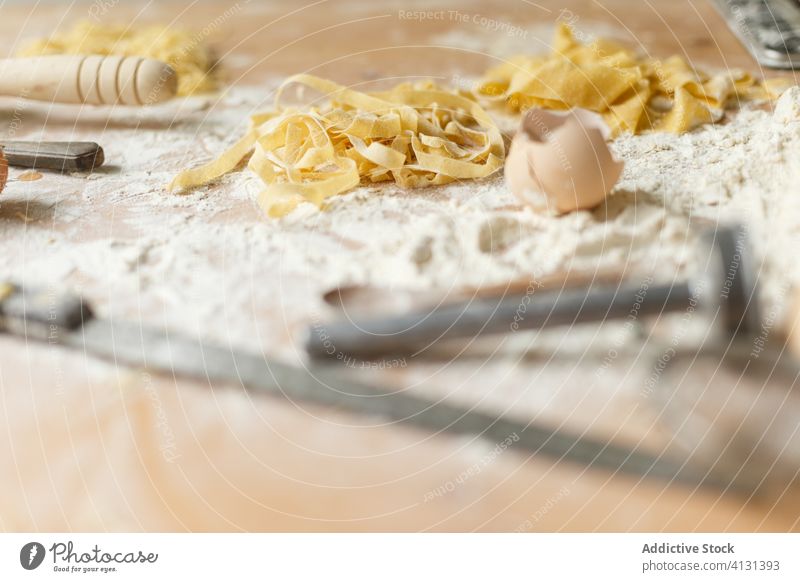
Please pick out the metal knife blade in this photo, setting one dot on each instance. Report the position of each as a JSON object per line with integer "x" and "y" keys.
{"x": 163, "y": 352}
{"x": 65, "y": 319}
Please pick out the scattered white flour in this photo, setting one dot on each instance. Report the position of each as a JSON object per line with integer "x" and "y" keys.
{"x": 210, "y": 263}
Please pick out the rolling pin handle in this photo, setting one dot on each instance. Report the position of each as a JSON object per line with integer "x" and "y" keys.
{"x": 89, "y": 79}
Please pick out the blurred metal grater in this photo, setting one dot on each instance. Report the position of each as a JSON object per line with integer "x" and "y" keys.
{"x": 770, "y": 29}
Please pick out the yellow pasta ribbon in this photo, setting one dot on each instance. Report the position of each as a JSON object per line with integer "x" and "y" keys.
{"x": 415, "y": 135}
{"x": 632, "y": 93}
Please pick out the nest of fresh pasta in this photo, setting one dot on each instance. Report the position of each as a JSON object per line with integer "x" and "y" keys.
{"x": 415, "y": 135}
{"x": 633, "y": 93}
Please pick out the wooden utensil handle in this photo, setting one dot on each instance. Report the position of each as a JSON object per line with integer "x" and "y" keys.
{"x": 93, "y": 79}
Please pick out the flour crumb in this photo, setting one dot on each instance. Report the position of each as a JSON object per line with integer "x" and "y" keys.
{"x": 787, "y": 109}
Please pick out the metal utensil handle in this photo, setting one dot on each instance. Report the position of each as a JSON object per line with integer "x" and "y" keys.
{"x": 68, "y": 156}
{"x": 41, "y": 313}
{"x": 408, "y": 334}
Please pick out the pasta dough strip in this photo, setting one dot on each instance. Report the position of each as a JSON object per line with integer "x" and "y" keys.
{"x": 415, "y": 135}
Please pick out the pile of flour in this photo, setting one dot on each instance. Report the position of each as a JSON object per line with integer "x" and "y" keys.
{"x": 210, "y": 263}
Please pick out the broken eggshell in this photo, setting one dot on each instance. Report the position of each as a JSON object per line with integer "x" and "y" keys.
{"x": 559, "y": 161}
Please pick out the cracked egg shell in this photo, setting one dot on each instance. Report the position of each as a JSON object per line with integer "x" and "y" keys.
{"x": 559, "y": 161}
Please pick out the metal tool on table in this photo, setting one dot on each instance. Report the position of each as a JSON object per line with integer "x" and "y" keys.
{"x": 412, "y": 333}
{"x": 729, "y": 402}
{"x": 364, "y": 300}
{"x": 770, "y": 29}
{"x": 76, "y": 156}
{"x": 68, "y": 321}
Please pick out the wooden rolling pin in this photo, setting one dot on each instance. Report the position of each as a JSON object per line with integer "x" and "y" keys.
{"x": 92, "y": 80}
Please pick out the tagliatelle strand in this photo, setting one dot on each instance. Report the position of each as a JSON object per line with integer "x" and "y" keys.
{"x": 414, "y": 135}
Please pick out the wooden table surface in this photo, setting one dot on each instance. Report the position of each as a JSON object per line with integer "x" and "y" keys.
{"x": 93, "y": 455}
